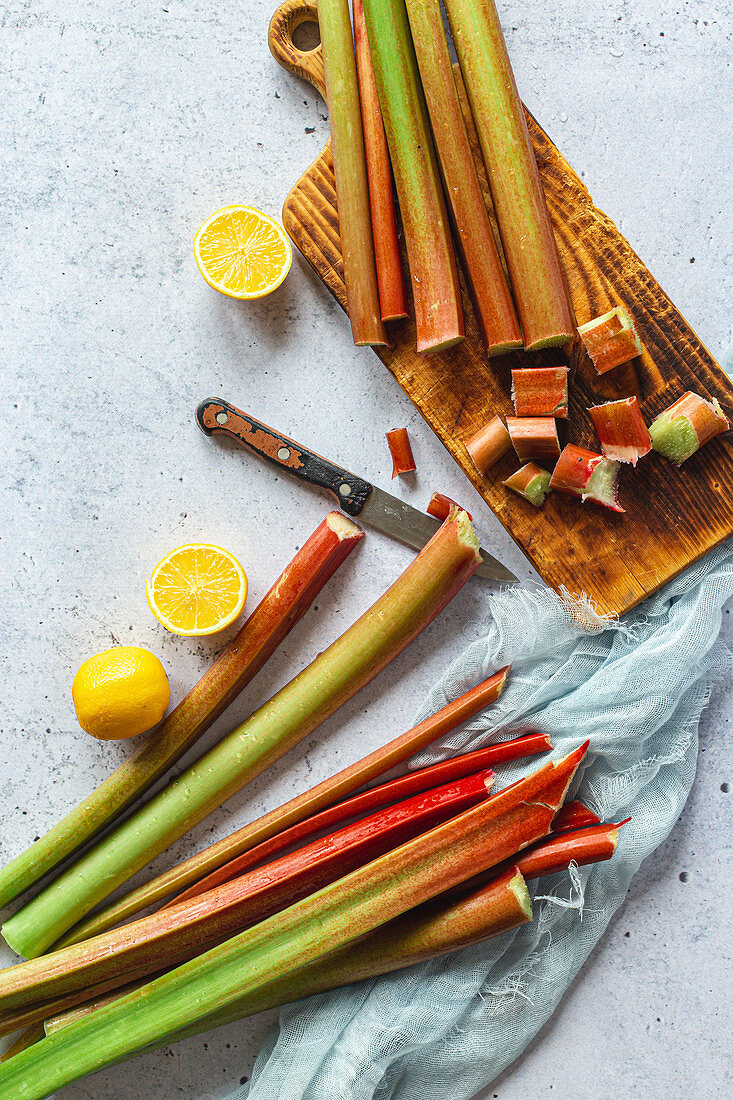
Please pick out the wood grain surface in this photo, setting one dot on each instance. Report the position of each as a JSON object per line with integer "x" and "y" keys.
{"x": 673, "y": 516}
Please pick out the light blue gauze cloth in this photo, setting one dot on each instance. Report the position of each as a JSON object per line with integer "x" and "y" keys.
{"x": 636, "y": 688}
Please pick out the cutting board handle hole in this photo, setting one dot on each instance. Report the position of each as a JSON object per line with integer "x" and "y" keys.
{"x": 306, "y": 35}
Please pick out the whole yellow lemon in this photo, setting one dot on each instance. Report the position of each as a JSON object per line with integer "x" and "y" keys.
{"x": 120, "y": 693}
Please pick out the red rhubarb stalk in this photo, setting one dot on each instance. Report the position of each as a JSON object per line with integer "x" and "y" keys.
{"x": 336, "y": 915}
{"x": 440, "y": 506}
{"x": 555, "y": 853}
{"x": 433, "y": 271}
{"x": 623, "y": 435}
{"x": 611, "y": 339}
{"x": 686, "y": 426}
{"x": 383, "y": 795}
{"x": 530, "y": 482}
{"x": 310, "y": 802}
{"x": 177, "y": 933}
{"x": 540, "y": 391}
{"x": 574, "y": 815}
{"x": 519, "y": 201}
{"x": 592, "y": 845}
{"x": 398, "y": 442}
{"x": 588, "y": 476}
{"x": 350, "y": 170}
{"x": 493, "y": 305}
{"x": 489, "y": 444}
{"x": 534, "y": 438}
{"x": 387, "y": 253}
{"x": 273, "y": 618}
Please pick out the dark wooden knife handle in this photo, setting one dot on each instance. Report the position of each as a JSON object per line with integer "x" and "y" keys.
{"x": 215, "y": 415}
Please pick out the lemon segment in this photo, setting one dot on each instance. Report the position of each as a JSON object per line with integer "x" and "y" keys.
{"x": 120, "y": 693}
{"x": 197, "y": 589}
{"x": 242, "y": 252}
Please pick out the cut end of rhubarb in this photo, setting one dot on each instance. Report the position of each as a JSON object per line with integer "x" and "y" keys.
{"x": 602, "y": 487}
{"x": 531, "y": 482}
{"x": 611, "y": 339}
{"x": 343, "y": 527}
{"x": 518, "y": 887}
{"x": 686, "y": 426}
{"x": 556, "y": 340}
{"x": 588, "y": 476}
{"x": 466, "y": 533}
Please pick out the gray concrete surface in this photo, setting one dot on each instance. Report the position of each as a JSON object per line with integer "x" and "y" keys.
{"x": 124, "y": 125}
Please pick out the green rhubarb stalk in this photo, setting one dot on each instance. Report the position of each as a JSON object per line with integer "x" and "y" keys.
{"x": 493, "y": 303}
{"x": 303, "y": 806}
{"x": 431, "y": 930}
{"x": 514, "y": 180}
{"x": 327, "y": 920}
{"x": 349, "y": 162}
{"x": 276, "y": 614}
{"x": 433, "y": 272}
{"x": 353, "y": 660}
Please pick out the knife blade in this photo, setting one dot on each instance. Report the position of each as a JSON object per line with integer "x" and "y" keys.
{"x": 355, "y": 496}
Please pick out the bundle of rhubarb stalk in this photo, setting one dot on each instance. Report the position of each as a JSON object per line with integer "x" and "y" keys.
{"x": 396, "y": 118}
{"x": 344, "y": 881}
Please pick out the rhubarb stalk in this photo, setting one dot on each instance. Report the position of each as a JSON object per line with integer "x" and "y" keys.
{"x": 540, "y": 391}
{"x": 534, "y": 437}
{"x": 516, "y": 189}
{"x": 177, "y": 933}
{"x": 390, "y": 275}
{"x": 574, "y": 815}
{"x": 433, "y": 272}
{"x": 276, "y": 614}
{"x": 623, "y": 435}
{"x": 686, "y": 426}
{"x": 349, "y": 163}
{"x": 492, "y": 299}
{"x": 303, "y": 806}
{"x": 440, "y": 506}
{"x": 611, "y": 339}
{"x": 430, "y": 930}
{"x": 398, "y": 442}
{"x": 531, "y": 482}
{"x": 489, "y": 444}
{"x": 588, "y": 476}
{"x": 324, "y": 922}
{"x": 348, "y": 664}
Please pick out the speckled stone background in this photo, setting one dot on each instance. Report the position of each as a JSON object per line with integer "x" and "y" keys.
{"x": 123, "y": 126}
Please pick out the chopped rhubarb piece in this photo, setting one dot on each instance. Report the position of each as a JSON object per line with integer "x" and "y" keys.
{"x": 611, "y": 339}
{"x": 588, "y": 476}
{"x": 489, "y": 444}
{"x": 398, "y": 442}
{"x": 540, "y": 391}
{"x": 440, "y": 506}
{"x": 531, "y": 482}
{"x": 686, "y": 426}
{"x": 534, "y": 437}
{"x": 621, "y": 430}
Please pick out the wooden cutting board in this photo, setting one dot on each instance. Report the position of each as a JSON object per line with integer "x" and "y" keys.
{"x": 673, "y": 516}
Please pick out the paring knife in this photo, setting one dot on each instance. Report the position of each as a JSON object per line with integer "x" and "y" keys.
{"x": 355, "y": 496}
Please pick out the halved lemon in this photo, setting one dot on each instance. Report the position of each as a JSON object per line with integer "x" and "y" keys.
{"x": 197, "y": 589}
{"x": 242, "y": 252}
